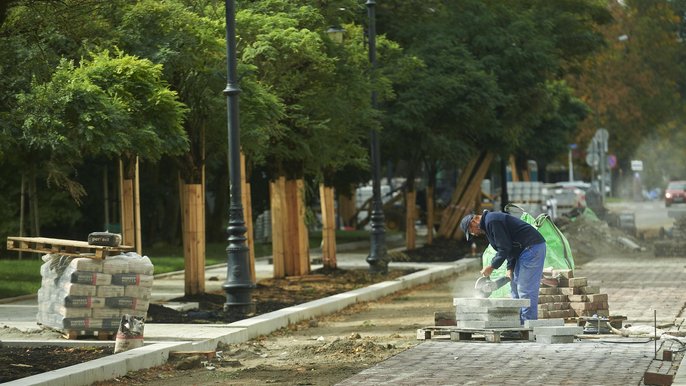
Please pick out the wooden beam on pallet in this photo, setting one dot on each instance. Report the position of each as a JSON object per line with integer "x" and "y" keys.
{"x": 63, "y": 247}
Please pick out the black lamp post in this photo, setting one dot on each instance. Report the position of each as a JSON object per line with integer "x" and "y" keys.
{"x": 238, "y": 285}
{"x": 377, "y": 254}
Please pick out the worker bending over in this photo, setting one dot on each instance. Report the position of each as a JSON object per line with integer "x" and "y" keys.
{"x": 518, "y": 243}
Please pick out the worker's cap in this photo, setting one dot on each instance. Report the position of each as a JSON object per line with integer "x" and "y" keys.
{"x": 464, "y": 225}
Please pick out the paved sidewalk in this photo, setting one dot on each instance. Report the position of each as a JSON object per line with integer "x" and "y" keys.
{"x": 637, "y": 288}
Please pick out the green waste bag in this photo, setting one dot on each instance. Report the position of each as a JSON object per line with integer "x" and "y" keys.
{"x": 558, "y": 253}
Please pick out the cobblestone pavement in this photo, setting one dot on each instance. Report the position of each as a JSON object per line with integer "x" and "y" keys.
{"x": 637, "y": 285}
{"x": 640, "y": 286}
{"x": 511, "y": 363}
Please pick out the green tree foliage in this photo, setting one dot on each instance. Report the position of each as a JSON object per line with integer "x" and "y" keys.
{"x": 322, "y": 85}
{"x": 490, "y": 78}
{"x": 634, "y": 85}
{"x": 107, "y": 106}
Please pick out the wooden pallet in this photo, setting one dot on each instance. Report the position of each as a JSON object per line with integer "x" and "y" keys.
{"x": 63, "y": 247}
{"x": 493, "y": 335}
{"x": 89, "y": 334}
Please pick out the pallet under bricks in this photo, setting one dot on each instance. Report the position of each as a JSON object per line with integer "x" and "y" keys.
{"x": 573, "y": 297}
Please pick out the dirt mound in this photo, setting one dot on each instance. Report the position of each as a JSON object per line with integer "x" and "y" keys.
{"x": 271, "y": 295}
{"x": 589, "y": 237}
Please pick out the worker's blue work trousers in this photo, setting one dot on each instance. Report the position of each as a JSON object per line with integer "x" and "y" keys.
{"x": 526, "y": 279}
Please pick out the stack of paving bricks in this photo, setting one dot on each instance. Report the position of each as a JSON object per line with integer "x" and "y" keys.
{"x": 663, "y": 368}
{"x": 477, "y": 313}
{"x": 573, "y": 297}
{"x": 84, "y": 296}
{"x": 675, "y": 244}
{"x": 550, "y": 331}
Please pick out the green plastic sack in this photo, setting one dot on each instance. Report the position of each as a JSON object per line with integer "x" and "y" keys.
{"x": 558, "y": 253}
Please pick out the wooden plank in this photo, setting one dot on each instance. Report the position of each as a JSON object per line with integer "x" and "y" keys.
{"x": 127, "y": 216}
{"x": 247, "y": 209}
{"x": 410, "y": 218}
{"x": 100, "y": 335}
{"x": 448, "y": 217}
{"x": 194, "y": 244}
{"x": 474, "y": 191}
{"x": 513, "y": 169}
{"x": 291, "y": 232}
{"x": 277, "y": 197}
{"x": 430, "y": 215}
{"x": 442, "y": 318}
{"x": 326, "y": 194}
{"x": 137, "y": 209}
{"x": 303, "y": 246}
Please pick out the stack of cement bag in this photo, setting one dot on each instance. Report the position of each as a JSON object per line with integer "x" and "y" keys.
{"x": 83, "y": 294}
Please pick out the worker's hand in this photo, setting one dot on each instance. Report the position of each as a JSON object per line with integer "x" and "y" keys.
{"x": 487, "y": 270}
{"x": 509, "y": 274}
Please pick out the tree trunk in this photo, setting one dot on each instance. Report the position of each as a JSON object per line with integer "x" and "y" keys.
{"x": 326, "y": 197}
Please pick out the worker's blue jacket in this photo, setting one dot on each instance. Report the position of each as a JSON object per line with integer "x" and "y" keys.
{"x": 509, "y": 236}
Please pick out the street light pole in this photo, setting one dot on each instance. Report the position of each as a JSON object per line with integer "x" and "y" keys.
{"x": 377, "y": 254}
{"x": 238, "y": 285}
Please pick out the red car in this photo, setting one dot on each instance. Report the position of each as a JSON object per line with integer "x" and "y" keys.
{"x": 675, "y": 193}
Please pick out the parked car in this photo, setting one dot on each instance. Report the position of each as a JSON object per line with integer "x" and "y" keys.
{"x": 675, "y": 193}
{"x": 568, "y": 194}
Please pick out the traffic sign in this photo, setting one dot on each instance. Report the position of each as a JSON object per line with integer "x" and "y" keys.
{"x": 636, "y": 165}
{"x": 592, "y": 159}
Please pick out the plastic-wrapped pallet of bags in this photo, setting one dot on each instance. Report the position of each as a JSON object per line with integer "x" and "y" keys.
{"x": 68, "y": 290}
{"x": 136, "y": 283}
{"x": 83, "y": 294}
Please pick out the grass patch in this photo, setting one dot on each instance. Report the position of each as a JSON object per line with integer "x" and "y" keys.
{"x": 19, "y": 277}
{"x": 22, "y": 277}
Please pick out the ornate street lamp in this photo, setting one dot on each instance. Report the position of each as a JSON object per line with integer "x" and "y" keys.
{"x": 377, "y": 254}
{"x": 238, "y": 285}
{"x": 336, "y": 34}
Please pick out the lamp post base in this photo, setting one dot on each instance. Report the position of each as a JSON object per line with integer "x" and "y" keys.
{"x": 239, "y": 311}
{"x": 378, "y": 258}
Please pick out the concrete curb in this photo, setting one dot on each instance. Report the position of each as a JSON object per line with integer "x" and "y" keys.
{"x": 102, "y": 369}
{"x": 208, "y": 336}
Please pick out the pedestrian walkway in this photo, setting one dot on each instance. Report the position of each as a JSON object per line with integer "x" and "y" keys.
{"x": 638, "y": 287}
